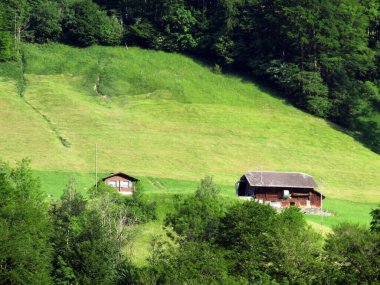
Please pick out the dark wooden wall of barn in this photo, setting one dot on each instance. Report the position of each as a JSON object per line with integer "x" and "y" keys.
{"x": 299, "y": 196}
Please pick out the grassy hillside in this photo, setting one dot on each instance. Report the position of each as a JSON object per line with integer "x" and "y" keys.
{"x": 169, "y": 120}
{"x": 167, "y": 116}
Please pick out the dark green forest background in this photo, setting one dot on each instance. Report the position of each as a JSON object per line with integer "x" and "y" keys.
{"x": 323, "y": 55}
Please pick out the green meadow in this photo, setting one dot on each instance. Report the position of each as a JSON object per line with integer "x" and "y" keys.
{"x": 169, "y": 120}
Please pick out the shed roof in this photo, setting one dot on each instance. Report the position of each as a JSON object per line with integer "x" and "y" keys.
{"x": 130, "y": 178}
{"x": 280, "y": 179}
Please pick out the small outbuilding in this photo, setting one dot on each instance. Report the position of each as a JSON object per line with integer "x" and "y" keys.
{"x": 280, "y": 189}
{"x": 121, "y": 182}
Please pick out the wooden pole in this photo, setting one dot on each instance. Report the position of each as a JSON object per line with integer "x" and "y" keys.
{"x": 96, "y": 167}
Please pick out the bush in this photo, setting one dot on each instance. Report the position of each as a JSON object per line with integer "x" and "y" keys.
{"x": 196, "y": 218}
{"x": 86, "y": 24}
{"x": 45, "y": 22}
{"x": 143, "y": 34}
{"x": 354, "y": 253}
{"x": 110, "y": 30}
{"x": 375, "y": 223}
{"x": 248, "y": 231}
{"x": 193, "y": 263}
{"x": 6, "y": 46}
{"x": 89, "y": 237}
{"x": 137, "y": 208}
{"x": 25, "y": 251}
{"x": 217, "y": 69}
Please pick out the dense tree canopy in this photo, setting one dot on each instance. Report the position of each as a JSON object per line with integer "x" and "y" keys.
{"x": 25, "y": 253}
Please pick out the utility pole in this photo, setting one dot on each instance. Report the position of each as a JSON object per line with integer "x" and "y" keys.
{"x": 96, "y": 168}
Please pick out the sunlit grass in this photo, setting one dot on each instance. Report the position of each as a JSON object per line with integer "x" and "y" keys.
{"x": 168, "y": 116}
{"x": 169, "y": 120}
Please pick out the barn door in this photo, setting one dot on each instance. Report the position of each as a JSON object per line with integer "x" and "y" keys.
{"x": 241, "y": 189}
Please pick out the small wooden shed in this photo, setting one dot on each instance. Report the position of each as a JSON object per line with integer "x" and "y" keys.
{"x": 280, "y": 189}
{"x": 121, "y": 182}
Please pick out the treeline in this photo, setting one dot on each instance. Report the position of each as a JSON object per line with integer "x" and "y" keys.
{"x": 210, "y": 240}
{"x": 322, "y": 55}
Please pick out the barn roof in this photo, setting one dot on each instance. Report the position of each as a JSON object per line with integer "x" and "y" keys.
{"x": 130, "y": 178}
{"x": 280, "y": 179}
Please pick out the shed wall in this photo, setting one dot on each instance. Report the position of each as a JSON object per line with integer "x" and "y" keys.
{"x": 118, "y": 179}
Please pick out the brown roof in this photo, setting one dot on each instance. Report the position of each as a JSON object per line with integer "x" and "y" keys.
{"x": 280, "y": 179}
{"x": 130, "y": 178}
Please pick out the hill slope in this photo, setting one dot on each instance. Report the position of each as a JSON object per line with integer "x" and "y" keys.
{"x": 166, "y": 115}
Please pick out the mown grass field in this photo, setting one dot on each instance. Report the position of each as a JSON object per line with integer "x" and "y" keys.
{"x": 168, "y": 118}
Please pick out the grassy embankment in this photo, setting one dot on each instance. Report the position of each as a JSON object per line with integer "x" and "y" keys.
{"x": 167, "y": 116}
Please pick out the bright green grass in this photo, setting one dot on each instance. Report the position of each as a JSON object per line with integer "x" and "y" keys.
{"x": 168, "y": 120}
{"x": 170, "y": 117}
{"x": 344, "y": 211}
{"x": 166, "y": 115}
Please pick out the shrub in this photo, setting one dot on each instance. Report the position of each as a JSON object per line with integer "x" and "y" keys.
{"x": 248, "y": 231}
{"x": 25, "y": 252}
{"x": 45, "y": 22}
{"x": 196, "y": 218}
{"x": 354, "y": 254}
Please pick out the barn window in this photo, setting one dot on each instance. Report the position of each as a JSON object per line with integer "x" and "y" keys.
{"x": 112, "y": 183}
{"x": 126, "y": 184}
{"x": 286, "y": 194}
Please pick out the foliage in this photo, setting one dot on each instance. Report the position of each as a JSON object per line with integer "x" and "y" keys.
{"x": 141, "y": 33}
{"x": 88, "y": 238}
{"x": 178, "y": 23}
{"x": 45, "y": 22}
{"x": 138, "y": 208}
{"x": 248, "y": 231}
{"x": 110, "y": 31}
{"x": 25, "y": 253}
{"x": 6, "y": 40}
{"x": 196, "y": 217}
{"x": 193, "y": 263}
{"x": 354, "y": 253}
{"x": 298, "y": 252}
{"x": 85, "y": 24}
{"x": 80, "y": 23}
{"x": 375, "y": 223}
{"x": 6, "y": 46}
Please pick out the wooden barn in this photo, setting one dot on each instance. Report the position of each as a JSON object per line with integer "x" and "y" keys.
{"x": 121, "y": 182}
{"x": 280, "y": 189}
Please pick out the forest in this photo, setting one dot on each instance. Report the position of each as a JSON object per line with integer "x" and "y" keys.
{"x": 87, "y": 239}
{"x": 321, "y": 55}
